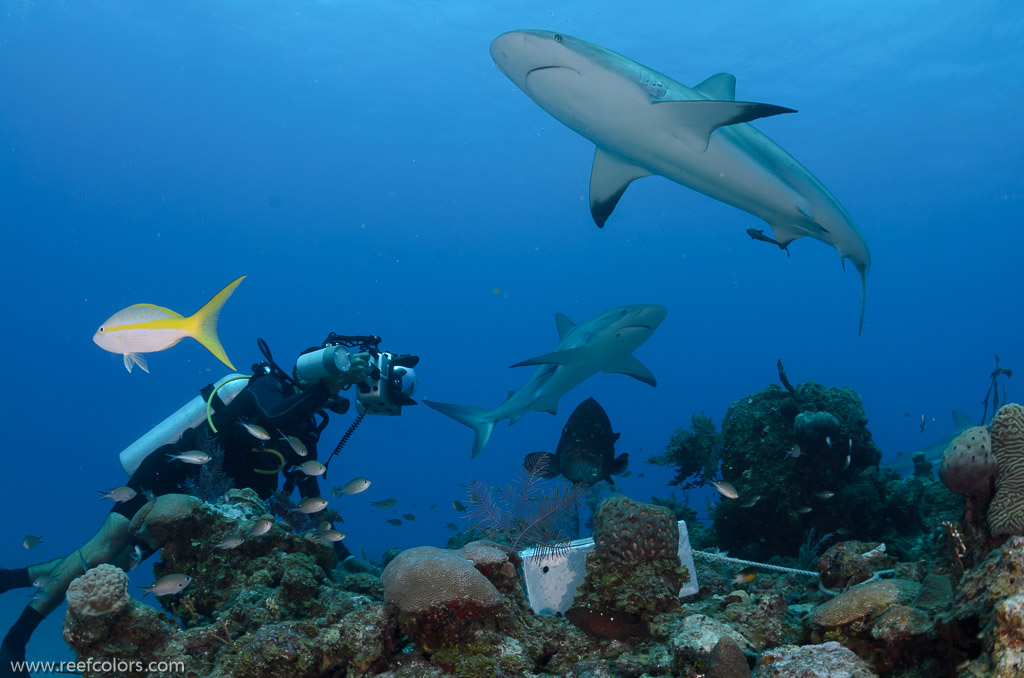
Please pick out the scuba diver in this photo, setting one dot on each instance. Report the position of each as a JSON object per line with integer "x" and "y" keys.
{"x": 243, "y": 416}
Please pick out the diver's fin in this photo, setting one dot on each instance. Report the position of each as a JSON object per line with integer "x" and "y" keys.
{"x": 694, "y": 121}
{"x": 133, "y": 359}
{"x": 620, "y": 463}
{"x": 961, "y": 421}
{"x": 720, "y": 86}
{"x": 476, "y": 418}
{"x": 609, "y": 179}
{"x": 203, "y": 324}
{"x": 563, "y": 324}
{"x": 566, "y": 357}
{"x": 550, "y": 470}
{"x": 630, "y": 366}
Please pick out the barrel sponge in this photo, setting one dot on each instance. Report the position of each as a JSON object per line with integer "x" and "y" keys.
{"x": 968, "y": 464}
{"x": 1006, "y": 512}
{"x": 426, "y": 577}
{"x": 635, "y": 532}
{"x": 102, "y": 590}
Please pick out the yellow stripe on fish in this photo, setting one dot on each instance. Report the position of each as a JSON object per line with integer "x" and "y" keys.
{"x": 147, "y": 328}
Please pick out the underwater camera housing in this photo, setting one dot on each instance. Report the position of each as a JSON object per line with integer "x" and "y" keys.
{"x": 389, "y": 384}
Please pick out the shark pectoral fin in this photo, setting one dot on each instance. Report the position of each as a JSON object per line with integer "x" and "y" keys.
{"x": 609, "y": 179}
{"x": 720, "y": 86}
{"x": 563, "y": 325}
{"x": 692, "y": 122}
{"x": 566, "y": 357}
{"x": 620, "y": 463}
{"x": 630, "y": 366}
{"x": 786, "y": 232}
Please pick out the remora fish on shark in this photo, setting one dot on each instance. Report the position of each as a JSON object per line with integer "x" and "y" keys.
{"x": 645, "y": 123}
{"x": 605, "y": 343}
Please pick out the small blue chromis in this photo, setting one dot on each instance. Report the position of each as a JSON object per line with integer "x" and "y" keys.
{"x": 145, "y": 328}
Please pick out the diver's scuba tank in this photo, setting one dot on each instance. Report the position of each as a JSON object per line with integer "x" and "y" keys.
{"x": 189, "y": 416}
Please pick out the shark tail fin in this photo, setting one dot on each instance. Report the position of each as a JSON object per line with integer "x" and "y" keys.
{"x": 476, "y": 418}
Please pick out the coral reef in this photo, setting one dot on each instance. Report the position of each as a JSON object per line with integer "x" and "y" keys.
{"x": 1006, "y": 512}
{"x": 727, "y": 660}
{"x": 968, "y": 465}
{"x": 986, "y": 622}
{"x": 101, "y": 612}
{"x": 694, "y": 452}
{"x": 828, "y": 660}
{"x": 802, "y": 458}
{"x": 857, "y": 608}
{"x": 634, "y": 567}
{"x": 440, "y": 598}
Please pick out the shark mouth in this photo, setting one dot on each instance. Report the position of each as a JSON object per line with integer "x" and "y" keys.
{"x": 548, "y": 68}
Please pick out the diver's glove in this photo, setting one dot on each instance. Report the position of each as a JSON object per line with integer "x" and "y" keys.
{"x": 359, "y": 367}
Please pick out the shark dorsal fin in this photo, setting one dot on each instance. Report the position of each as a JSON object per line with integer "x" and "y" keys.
{"x": 961, "y": 421}
{"x": 630, "y": 366}
{"x": 563, "y": 325}
{"x": 720, "y": 86}
{"x": 609, "y": 179}
{"x": 693, "y": 121}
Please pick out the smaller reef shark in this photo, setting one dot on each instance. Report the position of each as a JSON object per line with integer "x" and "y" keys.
{"x": 586, "y": 449}
{"x": 904, "y": 461}
{"x": 645, "y": 123}
{"x": 605, "y": 343}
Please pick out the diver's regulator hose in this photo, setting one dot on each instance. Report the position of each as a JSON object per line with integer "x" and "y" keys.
{"x": 213, "y": 393}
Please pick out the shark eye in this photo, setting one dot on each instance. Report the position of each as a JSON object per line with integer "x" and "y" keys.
{"x": 558, "y": 38}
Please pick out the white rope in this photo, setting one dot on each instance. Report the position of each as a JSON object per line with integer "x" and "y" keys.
{"x": 711, "y": 557}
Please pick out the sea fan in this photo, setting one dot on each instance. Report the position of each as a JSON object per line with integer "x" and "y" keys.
{"x": 522, "y": 515}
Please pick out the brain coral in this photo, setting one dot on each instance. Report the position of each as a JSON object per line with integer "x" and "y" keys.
{"x": 863, "y": 600}
{"x": 101, "y": 590}
{"x": 424, "y": 577}
{"x": 1006, "y": 512}
{"x": 968, "y": 464}
{"x": 637, "y": 532}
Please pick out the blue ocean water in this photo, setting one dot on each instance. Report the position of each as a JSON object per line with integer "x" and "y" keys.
{"x": 372, "y": 172}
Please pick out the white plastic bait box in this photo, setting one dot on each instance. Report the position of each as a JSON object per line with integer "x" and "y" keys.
{"x": 551, "y": 581}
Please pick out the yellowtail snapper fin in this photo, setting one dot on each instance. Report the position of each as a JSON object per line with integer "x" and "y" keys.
{"x": 203, "y": 324}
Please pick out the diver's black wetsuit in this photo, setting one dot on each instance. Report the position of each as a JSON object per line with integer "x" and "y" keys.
{"x": 268, "y": 401}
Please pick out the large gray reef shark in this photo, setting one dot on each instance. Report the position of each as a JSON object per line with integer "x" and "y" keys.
{"x": 645, "y": 123}
{"x": 605, "y": 343}
{"x": 904, "y": 461}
